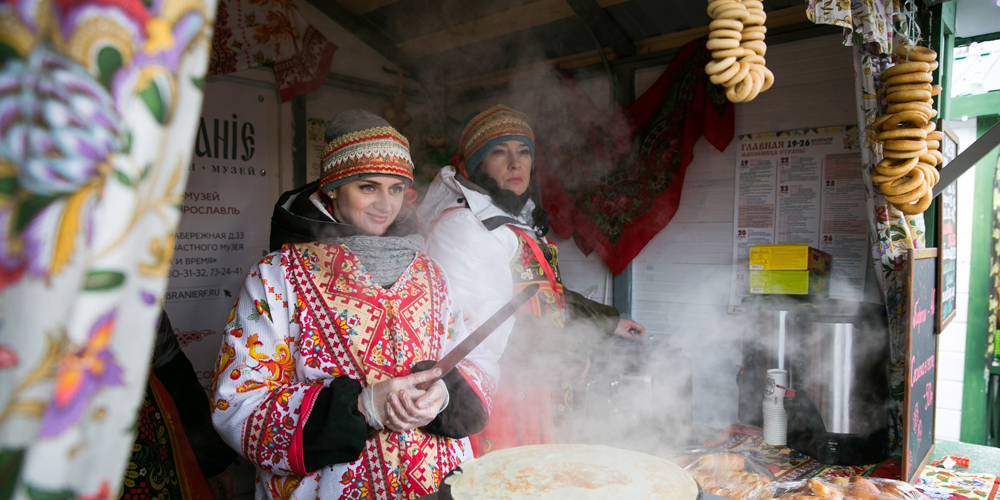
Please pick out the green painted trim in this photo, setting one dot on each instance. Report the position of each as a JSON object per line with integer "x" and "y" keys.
{"x": 949, "y": 14}
{"x": 979, "y": 332}
{"x": 979, "y": 38}
{"x": 974, "y": 105}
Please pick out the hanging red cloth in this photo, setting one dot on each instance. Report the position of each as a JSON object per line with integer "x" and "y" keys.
{"x": 251, "y": 33}
{"x": 612, "y": 181}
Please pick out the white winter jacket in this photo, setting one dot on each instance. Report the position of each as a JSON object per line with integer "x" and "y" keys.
{"x": 475, "y": 258}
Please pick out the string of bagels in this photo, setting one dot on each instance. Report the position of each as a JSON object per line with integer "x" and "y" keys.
{"x": 736, "y": 39}
{"x": 908, "y": 171}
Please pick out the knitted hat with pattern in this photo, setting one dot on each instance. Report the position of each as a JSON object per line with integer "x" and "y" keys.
{"x": 489, "y": 128}
{"x": 361, "y": 144}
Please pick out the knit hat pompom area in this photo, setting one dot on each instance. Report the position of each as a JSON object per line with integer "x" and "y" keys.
{"x": 491, "y": 127}
{"x": 362, "y": 144}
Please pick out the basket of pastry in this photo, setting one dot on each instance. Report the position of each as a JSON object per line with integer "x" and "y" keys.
{"x": 847, "y": 488}
{"x": 731, "y": 475}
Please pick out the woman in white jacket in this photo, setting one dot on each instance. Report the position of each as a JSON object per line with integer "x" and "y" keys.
{"x": 484, "y": 224}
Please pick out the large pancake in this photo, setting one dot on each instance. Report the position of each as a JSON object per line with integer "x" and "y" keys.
{"x": 577, "y": 472}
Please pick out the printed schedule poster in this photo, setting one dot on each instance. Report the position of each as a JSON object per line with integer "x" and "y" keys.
{"x": 802, "y": 186}
{"x": 224, "y": 224}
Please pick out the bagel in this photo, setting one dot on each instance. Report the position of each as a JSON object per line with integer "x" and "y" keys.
{"x": 734, "y": 11}
{"x": 758, "y": 81}
{"x": 908, "y": 96}
{"x": 879, "y": 178}
{"x": 753, "y": 4}
{"x": 919, "y": 207}
{"x": 740, "y": 76}
{"x": 768, "y": 78}
{"x": 916, "y": 53}
{"x": 937, "y": 154}
{"x": 932, "y": 144}
{"x": 879, "y": 121}
{"x": 725, "y": 33}
{"x": 935, "y": 136}
{"x": 749, "y": 36}
{"x": 722, "y": 54}
{"x": 719, "y": 65}
{"x": 716, "y": 4}
{"x": 933, "y": 65}
{"x": 754, "y": 29}
{"x": 756, "y": 17}
{"x": 918, "y": 77}
{"x": 909, "y": 106}
{"x": 740, "y": 91}
{"x": 904, "y": 68}
{"x": 911, "y": 86}
{"x": 755, "y": 45}
{"x": 917, "y": 118}
{"x": 936, "y": 89}
{"x": 930, "y": 173}
{"x": 724, "y": 25}
{"x": 722, "y": 43}
{"x": 902, "y": 133}
{"x": 903, "y": 185}
{"x": 909, "y": 197}
{"x": 929, "y": 159}
{"x": 890, "y": 153}
{"x": 904, "y": 145}
{"x": 753, "y": 59}
{"x": 725, "y": 76}
{"x": 895, "y": 168}
{"x": 930, "y": 127}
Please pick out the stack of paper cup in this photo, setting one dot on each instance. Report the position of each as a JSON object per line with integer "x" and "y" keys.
{"x": 775, "y": 418}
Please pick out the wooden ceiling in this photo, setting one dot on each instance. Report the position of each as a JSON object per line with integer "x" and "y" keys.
{"x": 467, "y": 44}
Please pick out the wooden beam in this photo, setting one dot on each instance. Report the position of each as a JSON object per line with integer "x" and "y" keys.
{"x": 605, "y": 29}
{"x": 359, "y": 7}
{"x": 501, "y": 23}
{"x": 367, "y": 33}
{"x": 775, "y": 19}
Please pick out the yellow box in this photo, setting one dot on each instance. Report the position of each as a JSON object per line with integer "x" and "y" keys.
{"x": 790, "y": 282}
{"x": 789, "y": 258}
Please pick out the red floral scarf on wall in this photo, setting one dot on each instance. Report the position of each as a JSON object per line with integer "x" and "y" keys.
{"x": 612, "y": 181}
{"x": 252, "y": 33}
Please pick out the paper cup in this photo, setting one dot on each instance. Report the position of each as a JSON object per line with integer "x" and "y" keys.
{"x": 775, "y": 421}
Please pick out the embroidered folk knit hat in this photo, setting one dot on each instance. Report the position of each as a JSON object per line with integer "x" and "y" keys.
{"x": 489, "y": 128}
{"x": 361, "y": 144}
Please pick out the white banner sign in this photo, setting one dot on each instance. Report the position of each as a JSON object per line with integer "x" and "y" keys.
{"x": 802, "y": 186}
{"x": 224, "y": 220}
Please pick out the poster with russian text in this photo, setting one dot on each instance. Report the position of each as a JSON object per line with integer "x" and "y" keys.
{"x": 802, "y": 186}
{"x": 224, "y": 225}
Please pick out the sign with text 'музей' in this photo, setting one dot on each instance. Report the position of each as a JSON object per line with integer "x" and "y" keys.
{"x": 224, "y": 220}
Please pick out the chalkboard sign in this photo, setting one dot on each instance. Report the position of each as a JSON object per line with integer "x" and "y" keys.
{"x": 947, "y": 237}
{"x": 921, "y": 363}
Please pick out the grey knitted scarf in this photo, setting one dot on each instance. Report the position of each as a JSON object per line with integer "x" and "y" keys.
{"x": 385, "y": 257}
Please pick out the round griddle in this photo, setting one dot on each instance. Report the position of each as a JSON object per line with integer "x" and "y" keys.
{"x": 444, "y": 491}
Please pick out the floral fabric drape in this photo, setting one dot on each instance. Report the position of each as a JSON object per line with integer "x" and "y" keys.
{"x": 253, "y": 33}
{"x": 99, "y": 101}
{"x": 869, "y": 28}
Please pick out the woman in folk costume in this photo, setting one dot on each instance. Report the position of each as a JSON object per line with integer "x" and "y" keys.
{"x": 316, "y": 378}
{"x": 484, "y": 223}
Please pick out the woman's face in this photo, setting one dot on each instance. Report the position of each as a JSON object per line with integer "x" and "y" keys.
{"x": 371, "y": 203}
{"x": 509, "y": 163}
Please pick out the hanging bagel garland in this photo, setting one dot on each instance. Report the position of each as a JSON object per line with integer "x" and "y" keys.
{"x": 736, "y": 39}
{"x": 906, "y": 175}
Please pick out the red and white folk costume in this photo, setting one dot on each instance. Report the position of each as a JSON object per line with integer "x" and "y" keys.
{"x": 311, "y": 321}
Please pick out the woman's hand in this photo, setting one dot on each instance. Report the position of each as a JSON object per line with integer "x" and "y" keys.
{"x": 374, "y": 399}
{"x": 404, "y": 412}
{"x": 630, "y": 329}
